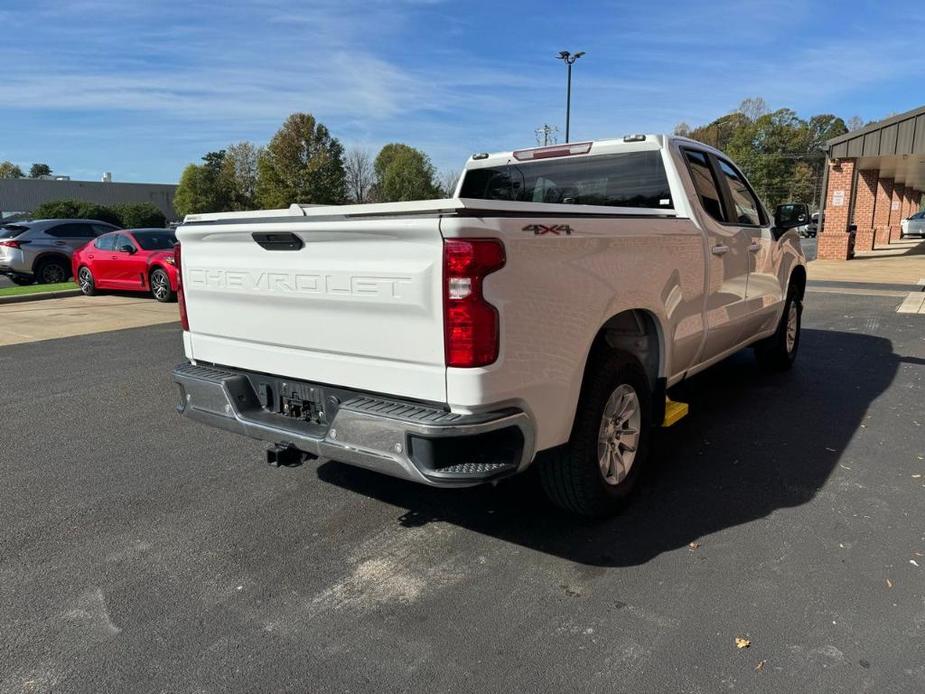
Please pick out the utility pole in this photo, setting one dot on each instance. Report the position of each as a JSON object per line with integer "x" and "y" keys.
{"x": 569, "y": 59}
{"x": 547, "y": 135}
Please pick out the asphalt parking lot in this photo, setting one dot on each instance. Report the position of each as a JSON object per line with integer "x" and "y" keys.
{"x": 146, "y": 553}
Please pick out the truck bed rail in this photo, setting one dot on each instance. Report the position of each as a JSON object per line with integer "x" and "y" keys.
{"x": 446, "y": 206}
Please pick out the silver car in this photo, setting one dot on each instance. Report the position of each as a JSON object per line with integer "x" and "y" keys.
{"x": 40, "y": 251}
{"x": 913, "y": 226}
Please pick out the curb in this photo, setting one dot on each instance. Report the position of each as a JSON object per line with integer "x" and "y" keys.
{"x": 39, "y": 296}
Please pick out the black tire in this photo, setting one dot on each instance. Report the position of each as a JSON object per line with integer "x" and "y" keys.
{"x": 572, "y": 475}
{"x": 22, "y": 281}
{"x": 52, "y": 271}
{"x": 85, "y": 281}
{"x": 160, "y": 286}
{"x": 779, "y": 351}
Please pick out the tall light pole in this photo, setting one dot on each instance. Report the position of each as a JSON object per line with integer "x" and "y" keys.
{"x": 569, "y": 59}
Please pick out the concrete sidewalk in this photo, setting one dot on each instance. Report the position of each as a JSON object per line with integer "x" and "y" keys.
{"x": 80, "y": 315}
{"x": 902, "y": 263}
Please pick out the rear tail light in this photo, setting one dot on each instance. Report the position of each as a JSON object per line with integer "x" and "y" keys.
{"x": 181, "y": 298}
{"x": 11, "y": 244}
{"x": 470, "y": 323}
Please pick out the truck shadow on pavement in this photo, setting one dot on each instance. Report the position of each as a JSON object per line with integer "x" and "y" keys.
{"x": 753, "y": 443}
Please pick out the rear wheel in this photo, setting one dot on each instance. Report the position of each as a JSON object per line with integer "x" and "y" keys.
{"x": 85, "y": 281}
{"x": 52, "y": 271}
{"x": 595, "y": 472}
{"x": 160, "y": 286}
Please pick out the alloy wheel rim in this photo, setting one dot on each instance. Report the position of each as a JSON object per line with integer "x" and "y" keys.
{"x": 618, "y": 435}
{"x": 52, "y": 274}
{"x": 159, "y": 280}
{"x": 85, "y": 279}
{"x": 792, "y": 325}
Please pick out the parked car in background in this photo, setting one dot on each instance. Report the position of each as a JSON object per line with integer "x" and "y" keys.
{"x": 41, "y": 250}
{"x": 137, "y": 260}
{"x": 913, "y": 226}
{"x": 811, "y": 230}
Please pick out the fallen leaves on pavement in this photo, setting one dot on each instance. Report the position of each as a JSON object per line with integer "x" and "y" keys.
{"x": 693, "y": 545}
{"x": 742, "y": 642}
{"x": 760, "y": 666}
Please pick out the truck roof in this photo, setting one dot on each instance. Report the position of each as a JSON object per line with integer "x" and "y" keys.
{"x": 628, "y": 143}
{"x": 588, "y": 148}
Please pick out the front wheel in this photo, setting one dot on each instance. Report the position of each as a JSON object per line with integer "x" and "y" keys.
{"x": 779, "y": 351}
{"x": 86, "y": 282}
{"x": 160, "y": 286}
{"x": 594, "y": 473}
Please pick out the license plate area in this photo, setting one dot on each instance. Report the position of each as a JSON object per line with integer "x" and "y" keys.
{"x": 311, "y": 403}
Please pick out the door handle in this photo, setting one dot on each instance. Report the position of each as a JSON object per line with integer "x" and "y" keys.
{"x": 60, "y": 243}
{"x": 755, "y": 247}
{"x": 719, "y": 249}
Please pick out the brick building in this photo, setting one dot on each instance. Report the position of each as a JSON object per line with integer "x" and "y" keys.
{"x": 875, "y": 177}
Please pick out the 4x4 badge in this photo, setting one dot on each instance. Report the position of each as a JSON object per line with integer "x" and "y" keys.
{"x": 541, "y": 229}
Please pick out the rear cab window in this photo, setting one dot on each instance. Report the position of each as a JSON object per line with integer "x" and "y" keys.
{"x": 627, "y": 179}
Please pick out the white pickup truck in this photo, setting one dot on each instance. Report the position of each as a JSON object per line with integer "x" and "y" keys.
{"x": 541, "y": 315}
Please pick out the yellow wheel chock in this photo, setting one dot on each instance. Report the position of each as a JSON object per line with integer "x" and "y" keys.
{"x": 674, "y": 412}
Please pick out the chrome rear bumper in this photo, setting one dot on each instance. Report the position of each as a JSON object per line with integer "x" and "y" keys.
{"x": 408, "y": 440}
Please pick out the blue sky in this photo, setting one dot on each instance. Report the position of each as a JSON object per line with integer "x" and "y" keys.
{"x": 143, "y": 87}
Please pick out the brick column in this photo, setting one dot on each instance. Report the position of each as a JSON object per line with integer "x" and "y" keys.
{"x": 864, "y": 208}
{"x": 833, "y": 241}
{"x": 908, "y": 205}
{"x": 882, "y": 211}
{"x": 896, "y": 207}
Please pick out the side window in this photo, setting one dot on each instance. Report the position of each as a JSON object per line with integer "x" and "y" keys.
{"x": 72, "y": 230}
{"x": 747, "y": 208}
{"x": 101, "y": 229}
{"x": 123, "y": 240}
{"x": 705, "y": 184}
{"x": 63, "y": 231}
{"x": 105, "y": 243}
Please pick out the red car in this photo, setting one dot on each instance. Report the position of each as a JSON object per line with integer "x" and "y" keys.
{"x": 135, "y": 260}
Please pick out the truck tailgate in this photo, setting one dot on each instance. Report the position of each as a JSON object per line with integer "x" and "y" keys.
{"x": 359, "y": 305}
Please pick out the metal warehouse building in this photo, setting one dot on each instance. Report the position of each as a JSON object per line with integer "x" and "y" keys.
{"x": 19, "y": 195}
{"x": 875, "y": 176}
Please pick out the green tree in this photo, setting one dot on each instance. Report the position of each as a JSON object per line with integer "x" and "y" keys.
{"x": 76, "y": 209}
{"x": 140, "y": 215}
{"x": 302, "y": 164}
{"x": 239, "y": 170}
{"x": 781, "y": 154}
{"x": 38, "y": 170}
{"x": 91, "y": 210}
{"x": 9, "y": 170}
{"x": 404, "y": 173}
{"x": 56, "y": 209}
{"x": 204, "y": 187}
